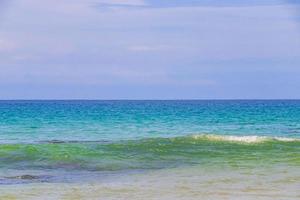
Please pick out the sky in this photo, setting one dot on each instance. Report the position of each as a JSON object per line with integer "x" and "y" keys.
{"x": 149, "y": 49}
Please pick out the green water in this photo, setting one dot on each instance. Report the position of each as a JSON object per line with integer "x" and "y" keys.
{"x": 150, "y": 154}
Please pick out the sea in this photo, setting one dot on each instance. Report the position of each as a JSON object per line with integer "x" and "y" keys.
{"x": 230, "y": 148}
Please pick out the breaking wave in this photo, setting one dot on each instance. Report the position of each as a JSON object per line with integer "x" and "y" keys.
{"x": 152, "y": 153}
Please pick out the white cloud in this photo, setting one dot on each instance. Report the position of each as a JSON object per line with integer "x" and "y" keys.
{"x": 73, "y": 7}
{"x": 6, "y": 45}
{"x": 141, "y": 48}
{"x": 123, "y": 2}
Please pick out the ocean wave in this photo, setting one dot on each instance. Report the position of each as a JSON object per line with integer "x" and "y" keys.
{"x": 196, "y": 137}
{"x": 152, "y": 153}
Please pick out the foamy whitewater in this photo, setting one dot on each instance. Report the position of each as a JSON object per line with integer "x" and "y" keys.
{"x": 244, "y": 139}
{"x": 150, "y": 149}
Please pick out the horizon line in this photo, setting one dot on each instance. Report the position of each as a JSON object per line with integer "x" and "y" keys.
{"x": 175, "y": 99}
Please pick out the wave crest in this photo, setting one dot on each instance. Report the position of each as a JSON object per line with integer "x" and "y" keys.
{"x": 243, "y": 139}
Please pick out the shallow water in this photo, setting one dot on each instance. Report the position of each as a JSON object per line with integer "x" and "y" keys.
{"x": 177, "y": 183}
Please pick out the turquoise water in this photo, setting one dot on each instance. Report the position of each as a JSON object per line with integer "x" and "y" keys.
{"x": 36, "y": 121}
{"x": 141, "y": 135}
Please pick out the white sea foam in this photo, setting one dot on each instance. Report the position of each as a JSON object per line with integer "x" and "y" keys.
{"x": 286, "y": 139}
{"x": 243, "y": 139}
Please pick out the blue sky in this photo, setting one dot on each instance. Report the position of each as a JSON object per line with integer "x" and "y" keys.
{"x": 149, "y": 49}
